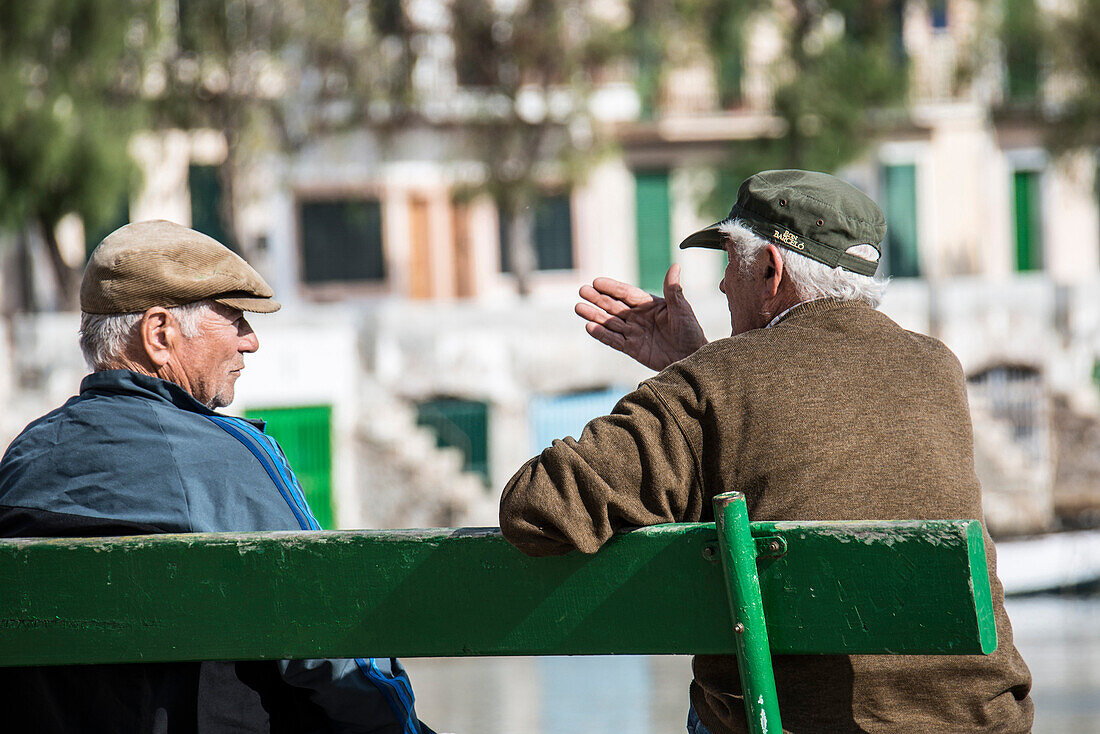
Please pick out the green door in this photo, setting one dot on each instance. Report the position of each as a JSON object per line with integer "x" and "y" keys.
{"x": 654, "y": 227}
{"x": 1027, "y": 215}
{"x": 305, "y": 435}
{"x": 900, "y": 184}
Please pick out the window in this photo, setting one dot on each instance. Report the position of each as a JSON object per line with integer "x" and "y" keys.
{"x": 342, "y": 240}
{"x": 654, "y": 228}
{"x": 730, "y": 72}
{"x": 305, "y": 435}
{"x": 900, "y": 202}
{"x": 939, "y": 13}
{"x": 1015, "y": 395}
{"x": 896, "y": 18}
{"x": 193, "y": 23}
{"x": 462, "y": 425}
{"x": 477, "y": 52}
{"x": 206, "y": 203}
{"x": 1027, "y": 218}
{"x": 1021, "y": 44}
{"x": 552, "y": 236}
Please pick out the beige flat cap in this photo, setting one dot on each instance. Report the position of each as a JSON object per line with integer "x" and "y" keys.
{"x": 160, "y": 263}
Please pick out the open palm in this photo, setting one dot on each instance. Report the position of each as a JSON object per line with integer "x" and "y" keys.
{"x": 653, "y": 330}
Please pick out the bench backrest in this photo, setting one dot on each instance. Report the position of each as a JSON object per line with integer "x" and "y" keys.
{"x": 905, "y": 587}
{"x": 858, "y": 587}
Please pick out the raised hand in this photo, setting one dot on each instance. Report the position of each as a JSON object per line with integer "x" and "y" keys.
{"x": 655, "y": 331}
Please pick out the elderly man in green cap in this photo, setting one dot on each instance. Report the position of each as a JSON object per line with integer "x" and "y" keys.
{"x": 817, "y": 407}
{"x": 141, "y": 449}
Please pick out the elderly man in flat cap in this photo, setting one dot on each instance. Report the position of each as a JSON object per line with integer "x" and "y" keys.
{"x": 142, "y": 449}
{"x": 817, "y": 407}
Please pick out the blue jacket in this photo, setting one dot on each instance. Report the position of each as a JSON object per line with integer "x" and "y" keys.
{"x": 136, "y": 454}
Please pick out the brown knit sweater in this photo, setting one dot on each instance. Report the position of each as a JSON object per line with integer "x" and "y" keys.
{"x": 835, "y": 413}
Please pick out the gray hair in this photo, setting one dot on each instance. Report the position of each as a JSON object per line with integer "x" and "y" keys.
{"x": 104, "y": 337}
{"x": 812, "y": 279}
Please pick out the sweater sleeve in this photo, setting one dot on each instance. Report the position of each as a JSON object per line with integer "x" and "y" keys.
{"x": 634, "y": 467}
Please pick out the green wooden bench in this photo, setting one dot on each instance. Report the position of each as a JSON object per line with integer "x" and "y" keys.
{"x": 917, "y": 587}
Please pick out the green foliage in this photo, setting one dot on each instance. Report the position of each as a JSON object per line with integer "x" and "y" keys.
{"x": 844, "y": 61}
{"x": 529, "y": 70}
{"x": 725, "y": 23}
{"x": 69, "y": 79}
{"x": 275, "y": 76}
{"x": 645, "y": 41}
{"x": 665, "y": 33}
{"x": 532, "y": 68}
{"x": 287, "y": 70}
{"x": 1074, "y": 47}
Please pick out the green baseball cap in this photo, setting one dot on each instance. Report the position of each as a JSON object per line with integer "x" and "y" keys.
{"x": 160, "y": 263}
{"x": 814, "y": 214}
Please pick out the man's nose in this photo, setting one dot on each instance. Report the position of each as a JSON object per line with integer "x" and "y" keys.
{"x": 722, "y": 285}
{"x": 247, "y": 339}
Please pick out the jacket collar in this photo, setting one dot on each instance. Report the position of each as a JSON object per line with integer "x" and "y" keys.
{"x": 135, "y": 383}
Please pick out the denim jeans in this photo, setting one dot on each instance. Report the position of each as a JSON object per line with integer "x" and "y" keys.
{"x": 694, "y": 725}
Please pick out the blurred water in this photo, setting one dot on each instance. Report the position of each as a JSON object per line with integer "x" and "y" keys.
{"x": 553, "y": 695}
{"x": 1059, "y": 638}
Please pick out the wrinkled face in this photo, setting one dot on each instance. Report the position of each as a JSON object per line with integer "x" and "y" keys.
{"x": 744, "y": 296}
{"x": 212, "y": 361}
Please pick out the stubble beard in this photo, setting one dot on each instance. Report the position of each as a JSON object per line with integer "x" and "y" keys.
{"x": 219, "y": 402}
{"x": 224, "y": 396}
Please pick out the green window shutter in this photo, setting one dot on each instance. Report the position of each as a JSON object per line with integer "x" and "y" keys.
{"x": 654, "y": 228}
{"x": 554, "y": 233}
{"x": 552, "y": 236}
{"x": 462, "y": 425}
{"x": 342, "y": 240}
{"x": 900, "y": 183}
{"x": 305, "y": 435}
{"x": 505, "y": 240}
{"x": 1022, "y": 47}
{"x": 206, "y": 203}
{"x": 730, "y": 73}
{"x": 647, "y": 82}
{"x": 1027, "y": 215}
{"x": 195, "y": 23}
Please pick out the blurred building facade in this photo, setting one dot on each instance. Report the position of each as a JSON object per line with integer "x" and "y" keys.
{"x": 404, "y": 346}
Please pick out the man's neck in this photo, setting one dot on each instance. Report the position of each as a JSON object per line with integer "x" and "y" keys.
{"x": 126, "y": 363}
{"x": 143, "y": 368}
{"x": 784, "y": 300}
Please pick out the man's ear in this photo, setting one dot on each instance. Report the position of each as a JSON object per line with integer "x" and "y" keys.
{"x": 158, "y": 331}
{"x": 773, "y": 270}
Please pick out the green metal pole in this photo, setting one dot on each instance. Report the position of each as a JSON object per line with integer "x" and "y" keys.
{"x": 754, "y": 658}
